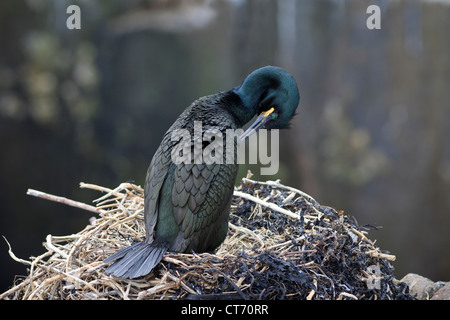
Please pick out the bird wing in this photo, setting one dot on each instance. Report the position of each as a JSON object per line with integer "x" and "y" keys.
{"x": 201, "y": 193}
{"x": 199, "y": 196}
{"x": 156, "y": 175}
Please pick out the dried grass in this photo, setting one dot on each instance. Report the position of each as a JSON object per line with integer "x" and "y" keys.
{"x": 281, "y": 244}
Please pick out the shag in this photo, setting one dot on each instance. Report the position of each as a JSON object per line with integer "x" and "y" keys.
{"x": 186, "y": 204}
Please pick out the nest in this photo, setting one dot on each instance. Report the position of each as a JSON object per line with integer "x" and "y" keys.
{"x": 281, "y": 244}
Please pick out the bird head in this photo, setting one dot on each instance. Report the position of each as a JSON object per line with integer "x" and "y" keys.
{"x": 272, "y": 94}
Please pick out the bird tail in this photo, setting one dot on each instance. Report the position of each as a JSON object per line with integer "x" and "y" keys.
{"x": 136, "y": 260}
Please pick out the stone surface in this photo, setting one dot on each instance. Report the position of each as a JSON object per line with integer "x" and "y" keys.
{"x": 443, "y": 293}
{"x": 421, "y": 287}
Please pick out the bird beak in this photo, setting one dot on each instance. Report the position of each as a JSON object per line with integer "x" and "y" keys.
{"x": 259, "y": 122}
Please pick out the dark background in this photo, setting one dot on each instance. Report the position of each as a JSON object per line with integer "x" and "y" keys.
{"x": 371, "y": 136}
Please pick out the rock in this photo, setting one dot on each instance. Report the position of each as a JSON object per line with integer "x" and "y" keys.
{"x": 443, "y": 293}
{"x": 421, "y": 287}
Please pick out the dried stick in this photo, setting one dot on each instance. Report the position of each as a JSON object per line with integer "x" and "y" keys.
{"x": 286, "y": 243}
{"x": 313, "y": 291}
{"x": 269, "y": 205}
{"x": 95, "y": 187}
{"x": 110, "y": 192}
{"x": 13, "y": 256}
{"x": 379, "y": 255}
{"x": 348, "y": 295}
{"x": 279, "y": 185}
{"x": 248, "y": 232}
{"x": 146, "y": 294}
{"x": 76, "y": 204}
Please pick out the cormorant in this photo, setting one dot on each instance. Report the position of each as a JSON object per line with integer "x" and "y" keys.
{"x": 187, "y": 204}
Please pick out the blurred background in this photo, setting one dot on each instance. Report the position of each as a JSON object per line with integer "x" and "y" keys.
{"x": 371, "y": 136}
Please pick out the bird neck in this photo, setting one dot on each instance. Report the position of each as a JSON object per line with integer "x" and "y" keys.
{"x": 233, "y": 103}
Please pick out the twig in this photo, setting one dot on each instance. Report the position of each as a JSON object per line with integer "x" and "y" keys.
{"x": 279, "y": 185}
{"x": 145, "y": 294}
{"x": 348, "y": 295}
{"x": 376, "y": 254}
{"x": 313, "y": 291}
{"x": 13, "y": 256}
{"x": 286, "y": 243}
{"x": 360, "y": 234}
{"x": 76, "y": 204}
{"x": 269, "y": 205}
{"x": 49, "y": 245}
{"x": 94, "y": 187}
{"x": 248, "y": 232}
{"x": 178, "y": 280}
{"x": 122, "y": 186}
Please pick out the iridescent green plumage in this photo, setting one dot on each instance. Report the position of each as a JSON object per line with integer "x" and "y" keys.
{"x": 187, "y": 204}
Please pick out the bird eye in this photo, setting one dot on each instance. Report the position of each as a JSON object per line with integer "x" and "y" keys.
{"x": 274, "y": 116}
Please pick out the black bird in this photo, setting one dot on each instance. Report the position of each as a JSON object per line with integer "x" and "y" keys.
{"x": 187, "y": 204}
